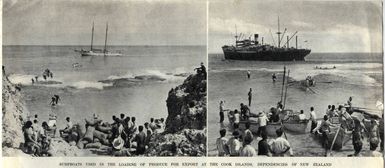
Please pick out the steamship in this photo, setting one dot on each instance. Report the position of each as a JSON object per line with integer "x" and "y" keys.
{"x": 248, "y": 49}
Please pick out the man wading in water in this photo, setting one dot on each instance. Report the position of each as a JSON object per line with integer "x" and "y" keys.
{"x": 250, "y": 96}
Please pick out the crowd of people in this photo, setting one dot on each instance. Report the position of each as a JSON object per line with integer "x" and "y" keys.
{"x": 240, "y": 144}
{"x": 122, "y": 136}
{"x": 334, "y": 117}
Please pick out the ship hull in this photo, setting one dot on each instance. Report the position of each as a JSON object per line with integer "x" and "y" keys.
{"x": 284, "y": 55}
{"x": 100, "y": 54}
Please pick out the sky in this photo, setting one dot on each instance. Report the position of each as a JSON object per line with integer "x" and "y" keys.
{"x": 327, "y": 26}
{"x": 69, "y": 22}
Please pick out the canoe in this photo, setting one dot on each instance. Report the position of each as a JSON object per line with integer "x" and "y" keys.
{"x": 341, "y": 138}
{"x": 299, "y": 127}
{"x": 271, "y": 127}
{"x": 293, "y": 123}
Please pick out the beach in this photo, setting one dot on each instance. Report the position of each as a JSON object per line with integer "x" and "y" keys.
{"x": 356, "y": 74}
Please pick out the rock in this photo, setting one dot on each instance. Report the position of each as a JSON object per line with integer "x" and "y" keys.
{"x": 14, "y": 115}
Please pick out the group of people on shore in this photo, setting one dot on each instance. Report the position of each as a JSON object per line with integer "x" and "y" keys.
{"x": 118, "y": 135}
{"x": 334, "y": 117}
{"x": 240, "y": 144}
{"x": 46, "y": 74}
{"x": 37, "y": 138}
{"x": 350, "y": 125}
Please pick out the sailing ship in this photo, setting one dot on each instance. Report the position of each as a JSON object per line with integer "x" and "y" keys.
{"x": 248, "y": 49}
{"x": 98, "y": 52}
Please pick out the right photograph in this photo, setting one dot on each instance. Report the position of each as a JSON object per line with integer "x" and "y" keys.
{"x": 295, "y": 78}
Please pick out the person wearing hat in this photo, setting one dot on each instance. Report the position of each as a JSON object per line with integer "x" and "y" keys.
{"x": 247, "y": 149}
{"x": 262, "y": 120}
{"x": 234, "y": 144}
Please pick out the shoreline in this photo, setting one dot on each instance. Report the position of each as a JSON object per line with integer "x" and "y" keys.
{"x": 189, "y": 140}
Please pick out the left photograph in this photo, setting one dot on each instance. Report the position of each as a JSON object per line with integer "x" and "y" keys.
{"x": 104, "y": 78}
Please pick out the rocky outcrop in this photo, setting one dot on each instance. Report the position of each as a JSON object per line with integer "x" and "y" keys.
{"x": 185, "y": 132}
{"x": 14, "y": 114}
{"x": 186, "y": 105}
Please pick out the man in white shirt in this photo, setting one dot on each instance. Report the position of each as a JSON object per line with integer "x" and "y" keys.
{"x": 313, "y": 119}
{"x": 280, "y": 145}
{"x": 262, "y": 120}
{"x": 68, "y": 127}
{"x": 237, "y": 117}
{"x": 302, "y": 116}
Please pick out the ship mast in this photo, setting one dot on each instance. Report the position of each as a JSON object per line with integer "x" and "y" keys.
{"x": 105, "y": 42}
{"x": 279, "y": 34}
{"x": 92, "y": 36}
{"x": 236, "y": 35}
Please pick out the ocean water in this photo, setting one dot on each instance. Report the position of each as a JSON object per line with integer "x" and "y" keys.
{"x": 358, "y": 75}
{"x": 135, "y": 84}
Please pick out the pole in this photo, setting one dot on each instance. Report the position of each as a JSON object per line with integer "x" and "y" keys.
{"x": 296, "y": 42}
{"x": 92, "y": 36}
{"x": 105, "y": 41}
{"x": 283, "y": 82}
{"x": 279, "y": 34}
{"x": 287, "y": 80}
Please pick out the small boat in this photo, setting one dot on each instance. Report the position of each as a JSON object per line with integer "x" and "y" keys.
{"x": 340, "y": 139}
{"x": 292, "y": 123}
{"x": 271, "y": 127}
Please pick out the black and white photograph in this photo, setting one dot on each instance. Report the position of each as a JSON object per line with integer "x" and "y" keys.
{"x": 104, "y": 78}
{"x": 295, "y": 78}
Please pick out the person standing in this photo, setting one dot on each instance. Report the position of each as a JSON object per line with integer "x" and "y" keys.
{"x": 247, "y": 132}
{"x": 234, "y": 144}
{"x": 248, "y": 74}
{"x": 237, "y": 117}
{"x": 57, "y": 98}
{"x": 250, "y": 95}
{"x": 373, "y": 133}
{"x": 274, "y": 77}
{"x": 221, "y": 111}
{"x": 280, "y": 145}
{"x": 313, "y": 119}
{"x": 262, "y": 120}
{"x": 263, "y": 146}
{"x": 222, "y": 147}
{"x": 247, "y": 149}
{"x": 324, "y": 128}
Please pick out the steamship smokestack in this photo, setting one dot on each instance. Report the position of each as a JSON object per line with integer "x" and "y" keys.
{"x": 262, "y": 41}
{"x": 256, "y": 38}
{"x": 296, "y": 42}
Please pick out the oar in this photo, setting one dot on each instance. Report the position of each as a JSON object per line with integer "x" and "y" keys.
{"x": 312, "y": 90}
{"x": 324, "y": 82}
{"x": 334, "y": 140}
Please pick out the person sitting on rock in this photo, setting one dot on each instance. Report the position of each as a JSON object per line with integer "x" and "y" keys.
{"x": 30, "y": 143}
{"x": 152, "y": 125}
{"x": 68, "y": 127}
{"x": 140, "y": 140}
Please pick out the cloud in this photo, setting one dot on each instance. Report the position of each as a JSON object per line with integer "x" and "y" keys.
{"x": 227, "y": 26}
{"x": 301, "y": 24}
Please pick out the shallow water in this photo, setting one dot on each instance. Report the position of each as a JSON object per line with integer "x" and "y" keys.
{"x": 359, "y": 77}
{"x": 135, "y": 84}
